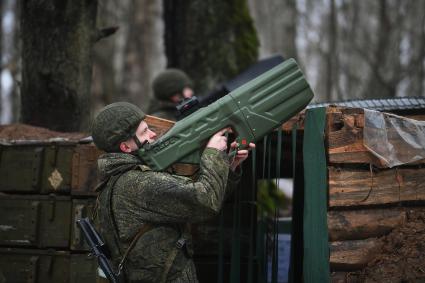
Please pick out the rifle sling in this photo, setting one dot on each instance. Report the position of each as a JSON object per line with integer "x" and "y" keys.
{"x": 172, "y": 255}
{"x": 145, "y": 228}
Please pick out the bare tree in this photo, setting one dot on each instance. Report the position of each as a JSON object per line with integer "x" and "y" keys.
{"x": 276, "y": 24}
{"x": 9, "y": 61}
{"x": 359, "y": 49}
{"x": 332, "y": 54}
{"x": 413, "y": 50}
{"x": 125, "y": 64}
{"x": 144, "y": 53}
{"x": 1, "y": 61}
{"x": 105, "y": 81}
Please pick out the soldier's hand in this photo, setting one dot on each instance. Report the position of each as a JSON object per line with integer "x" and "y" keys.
{"x": 219, "y": 140}
{"x": 241, "y": 155}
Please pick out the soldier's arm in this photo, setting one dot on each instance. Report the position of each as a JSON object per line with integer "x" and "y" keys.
{"x": 165, "y": 198}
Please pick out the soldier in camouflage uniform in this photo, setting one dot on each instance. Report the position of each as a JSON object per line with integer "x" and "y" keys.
{"x": 133, "y": 197}
{"x": 170, "y": 87}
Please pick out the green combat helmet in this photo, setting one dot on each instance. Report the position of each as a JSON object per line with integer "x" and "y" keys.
{"x": 114, "y": 124}
{"x": 170, "y": 82}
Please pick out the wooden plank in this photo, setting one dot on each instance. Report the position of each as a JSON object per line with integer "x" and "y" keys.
{"x": 35, "y": 220}
{"x": 344, "y": 137}
{"x": 356, "y": 187}
{"x": 81, "y": 208}
{"x": 36, "y": 265}
{"x": 298, "y": 119}
{"x": 363, "y": 224}
{"x": 353, "y": 255}
{"x": 346, "y": 277}
{"x": 158, "y": 125}
{"x": 84, "y": 169}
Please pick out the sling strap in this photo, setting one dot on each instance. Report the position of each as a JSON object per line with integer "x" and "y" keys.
{"x": 145, "y": 228}
{"x": 181, "y": 242}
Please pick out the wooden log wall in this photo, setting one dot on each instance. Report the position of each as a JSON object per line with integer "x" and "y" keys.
{"x": 367, "y": 201}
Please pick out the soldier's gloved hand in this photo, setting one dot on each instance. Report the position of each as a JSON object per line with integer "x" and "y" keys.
{"x": 240, "y": 156}
{"x": 219, "y": 140}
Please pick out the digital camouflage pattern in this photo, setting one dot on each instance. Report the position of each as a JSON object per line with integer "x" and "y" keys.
{"x": 165, "y": 201}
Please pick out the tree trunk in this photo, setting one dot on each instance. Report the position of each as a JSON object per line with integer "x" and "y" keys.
{"x": 144, "y": 52}
{"x": 379, "y": 86}
{"x": 210, "y": 40}
{"x": 276, "y": 23}
{"x": 1, "y": 65}
{"x": 331, "y": 74}
{"x": 9, "y": 60}
{"x": 57, "y": 40}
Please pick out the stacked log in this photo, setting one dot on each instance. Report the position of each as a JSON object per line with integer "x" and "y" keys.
{"x": 369, "y": 204}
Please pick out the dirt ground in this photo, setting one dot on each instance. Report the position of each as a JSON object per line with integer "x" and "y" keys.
{"x": 27, "y": 132}
{"x": 402, "y": 258}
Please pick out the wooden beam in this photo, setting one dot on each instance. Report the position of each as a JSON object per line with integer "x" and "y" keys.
{"x": 356, "y": 187}
{"x": 346, "y": 277}
{"x": 344, "y": 137}
{"x": 158, "y": 125}
{"x": 298, "y": 119}
{"x": 363, "y": 224}
{"x": 353, "y": 255}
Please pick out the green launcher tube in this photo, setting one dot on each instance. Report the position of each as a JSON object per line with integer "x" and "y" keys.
{"x": 252, "y": 111}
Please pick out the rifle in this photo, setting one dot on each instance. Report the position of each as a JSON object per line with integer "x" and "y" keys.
{"x": 252, "y": 111}
{"x": 98, "y": 248}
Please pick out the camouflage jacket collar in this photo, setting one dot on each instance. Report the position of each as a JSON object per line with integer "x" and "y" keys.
{"x": 111, "y": 164}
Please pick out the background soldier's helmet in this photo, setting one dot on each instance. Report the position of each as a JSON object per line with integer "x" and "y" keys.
{"x": 170, "y": 82}
{"x": 114, "y": 124}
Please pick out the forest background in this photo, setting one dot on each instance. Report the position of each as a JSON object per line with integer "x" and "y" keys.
{"x": 348, "y": 49}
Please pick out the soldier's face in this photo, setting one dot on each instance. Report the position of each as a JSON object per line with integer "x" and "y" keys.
{"x": 187, "y": 92}
{"x": 144, "y": 133}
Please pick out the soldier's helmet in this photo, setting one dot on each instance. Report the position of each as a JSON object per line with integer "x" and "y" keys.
{"x": 115, "y": 123}
{"x": 170, "y": 82}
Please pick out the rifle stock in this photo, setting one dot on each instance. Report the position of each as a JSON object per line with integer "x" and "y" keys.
{"x": 98, "y": 248}
{"x": 252, "y": 111}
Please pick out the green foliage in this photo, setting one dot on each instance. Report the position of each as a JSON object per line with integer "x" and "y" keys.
{"x": 212, "y": 41}
{"x": 269, "y": 197}
{"x": 246, "y": 41}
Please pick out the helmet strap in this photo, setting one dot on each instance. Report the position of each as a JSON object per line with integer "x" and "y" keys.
{"x": 138, "y": 143}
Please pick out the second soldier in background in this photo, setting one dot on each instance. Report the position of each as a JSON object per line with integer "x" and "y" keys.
{"x": 170, "y": 87}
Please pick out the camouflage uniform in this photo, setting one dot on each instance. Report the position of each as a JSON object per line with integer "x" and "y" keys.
{"x": 165, "y": 201}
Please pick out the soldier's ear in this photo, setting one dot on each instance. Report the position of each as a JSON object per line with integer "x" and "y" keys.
{"x": 124, "y": 147}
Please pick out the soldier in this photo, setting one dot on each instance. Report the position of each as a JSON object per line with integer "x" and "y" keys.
{"x": 170, "y": 87}
{"x": 153, "y": 209}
